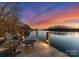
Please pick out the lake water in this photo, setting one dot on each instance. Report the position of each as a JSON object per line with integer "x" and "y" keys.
{"x": 67, "y": 42}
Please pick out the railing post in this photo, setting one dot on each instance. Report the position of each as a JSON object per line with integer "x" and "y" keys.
{"x": 37, "y": 34}
{"x": 48, "y": 37}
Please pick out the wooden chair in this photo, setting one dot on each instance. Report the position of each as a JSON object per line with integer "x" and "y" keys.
{"x": 29, "y": 43}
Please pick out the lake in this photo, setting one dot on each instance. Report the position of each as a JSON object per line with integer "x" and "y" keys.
{"x": 67, "y": 42}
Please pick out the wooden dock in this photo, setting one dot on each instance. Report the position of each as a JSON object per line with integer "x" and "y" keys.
{"x": 40, "y": 49}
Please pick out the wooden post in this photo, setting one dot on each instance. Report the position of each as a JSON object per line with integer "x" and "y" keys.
{"x": 48, "y": 37}
{"x": 37, "y": 34}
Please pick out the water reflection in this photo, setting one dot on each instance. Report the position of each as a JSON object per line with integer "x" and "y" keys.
{"x": 67, "y": 42}
{"x": 64, "y": 33}
{"x": 58, "y": 33}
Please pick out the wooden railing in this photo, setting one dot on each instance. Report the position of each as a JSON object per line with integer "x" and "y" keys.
{"x": 47, "y": 36}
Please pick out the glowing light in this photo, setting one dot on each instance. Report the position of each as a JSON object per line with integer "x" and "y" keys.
{"x": 47, "y": 41}
{"x": 44, "y": 45}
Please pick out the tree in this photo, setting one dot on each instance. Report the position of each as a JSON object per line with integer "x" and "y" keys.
{"x": 9, "y": 16}
{"x": 24, "y": 29}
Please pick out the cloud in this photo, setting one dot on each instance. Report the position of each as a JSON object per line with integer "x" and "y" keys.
{"x": 71, "y": 21}
{"x": 42, "y": 16}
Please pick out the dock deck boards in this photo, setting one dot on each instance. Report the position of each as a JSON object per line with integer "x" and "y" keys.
{"x": 40, "y": 49}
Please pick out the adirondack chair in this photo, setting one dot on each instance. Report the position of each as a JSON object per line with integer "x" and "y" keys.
{"x": 30, "y": 40}
{"x": 2, "y": 40}
{"x": 8, "y": 48}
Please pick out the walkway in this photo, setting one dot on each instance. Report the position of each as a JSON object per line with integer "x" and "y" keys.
{"x": 40, "y": 49}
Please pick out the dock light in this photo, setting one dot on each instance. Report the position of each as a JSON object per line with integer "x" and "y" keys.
{"x": 47, "y": 37}
{"x": 23, "y": 38}
{"x": 47, "y": 41}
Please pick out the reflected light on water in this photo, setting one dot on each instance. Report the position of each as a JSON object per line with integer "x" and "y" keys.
{"x": 76, "y": 34}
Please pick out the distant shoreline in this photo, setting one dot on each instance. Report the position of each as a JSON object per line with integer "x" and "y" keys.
{"x": 60, "y": 30}
{"x": 64, "y": 30}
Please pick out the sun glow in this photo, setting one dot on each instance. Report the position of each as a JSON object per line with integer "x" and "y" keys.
{"x": 73, "y": 26}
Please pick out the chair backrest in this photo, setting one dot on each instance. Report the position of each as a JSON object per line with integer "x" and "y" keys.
{"x": 32, "y": 36}
{"x": 8, "y": 36}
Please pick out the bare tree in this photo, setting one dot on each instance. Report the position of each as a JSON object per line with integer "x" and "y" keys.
{"x": 9, "y": 16}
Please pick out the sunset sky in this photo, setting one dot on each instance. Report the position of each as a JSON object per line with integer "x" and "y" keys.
{"x": 43, "y": 15}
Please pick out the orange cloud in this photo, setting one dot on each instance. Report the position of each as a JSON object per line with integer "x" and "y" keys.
{"x": 56, "y": 20}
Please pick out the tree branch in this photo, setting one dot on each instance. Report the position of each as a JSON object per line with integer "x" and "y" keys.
{"x": 2, "y": 10}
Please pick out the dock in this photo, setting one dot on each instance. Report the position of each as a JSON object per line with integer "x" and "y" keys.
{"x": 41, "y": 49}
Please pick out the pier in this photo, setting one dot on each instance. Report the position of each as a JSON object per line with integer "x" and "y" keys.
{"x": 41, "y": 49}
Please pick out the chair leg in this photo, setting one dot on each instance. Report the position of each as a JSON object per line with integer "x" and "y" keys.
{"x": 32, "y": 45}
{"x": 26, "y": 46}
